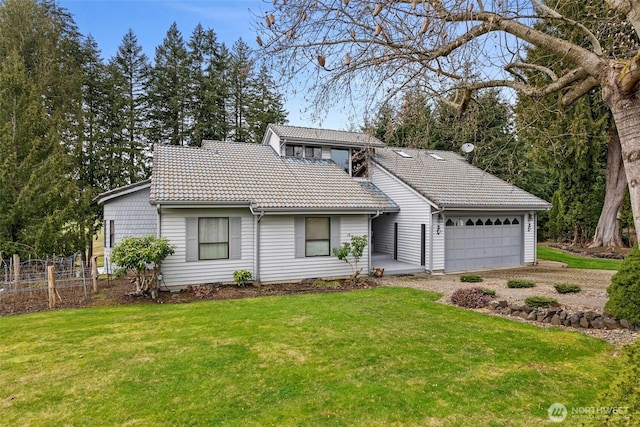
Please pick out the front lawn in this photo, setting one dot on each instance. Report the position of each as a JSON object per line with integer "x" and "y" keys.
{"x": 575, "y": 261}
{"x": 386, "y": 356}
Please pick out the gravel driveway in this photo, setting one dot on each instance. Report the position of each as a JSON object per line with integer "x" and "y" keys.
{"x": 546, "y": 274}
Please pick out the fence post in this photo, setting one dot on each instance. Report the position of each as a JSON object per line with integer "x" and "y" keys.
{"x": 16, "y": 270}
{"x": 94, "y": 273}
{"x": 51, "y": 276}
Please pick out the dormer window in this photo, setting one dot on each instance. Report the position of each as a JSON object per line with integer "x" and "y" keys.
{"x": 313, "y": 152}
{"x": 293, "y": 150}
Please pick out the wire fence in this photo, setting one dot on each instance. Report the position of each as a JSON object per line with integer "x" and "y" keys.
{"x": 32, "y": 285}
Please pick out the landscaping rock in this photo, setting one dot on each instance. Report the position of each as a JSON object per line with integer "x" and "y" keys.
{"x": 493, "y": 305}
{"x": 574, "y": 320}
{"x": 597, "y": 323}
{"x": 610, "y": 323}
{"x": 555, "y": 320}
{"x": 532, "y": 315}
{"x": 590, "y": 315}
{"x": 584, "y": 322}
{"x": 624, "y": 323}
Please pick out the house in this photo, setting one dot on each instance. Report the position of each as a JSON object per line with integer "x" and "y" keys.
{"x": 278, "y": 209}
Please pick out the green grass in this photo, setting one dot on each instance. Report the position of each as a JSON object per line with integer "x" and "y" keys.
{"x": 575, "y": 261}
{"x": 387, "y": 356}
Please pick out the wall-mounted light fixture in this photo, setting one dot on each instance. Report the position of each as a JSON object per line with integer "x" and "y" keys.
{"x": 438, "y": 230}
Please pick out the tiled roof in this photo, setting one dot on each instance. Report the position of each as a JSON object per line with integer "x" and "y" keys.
{"x": 451, "y": 182}
{"x": 228, "y": 172}
{"x": 296, "y": 133}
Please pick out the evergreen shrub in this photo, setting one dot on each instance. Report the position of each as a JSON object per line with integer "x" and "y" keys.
{"x": 471, "y": 278}
{"x": 520, "y": 283}
{"x": 567, "y": 288}
{"x": 537, "y": 301}
{"x": 624, "y": 291}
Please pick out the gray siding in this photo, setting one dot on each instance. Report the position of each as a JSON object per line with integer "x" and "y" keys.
{"x": 414, "y": 211}
{"x": 278, "y": 260}
{"x": 177, "y": 272}
{"x": 132, "y": 215}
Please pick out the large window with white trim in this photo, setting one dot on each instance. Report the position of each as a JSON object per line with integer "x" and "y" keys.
{"x": 213, "y": 238}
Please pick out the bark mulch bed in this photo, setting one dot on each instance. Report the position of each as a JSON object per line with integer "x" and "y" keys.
{"x": 120, "y": 291}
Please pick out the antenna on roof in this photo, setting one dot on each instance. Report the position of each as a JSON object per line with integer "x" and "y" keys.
{"x": 467, "y": 148}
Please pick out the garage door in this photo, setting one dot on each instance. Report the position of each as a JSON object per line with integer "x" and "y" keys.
{"x": 483, "y": 242}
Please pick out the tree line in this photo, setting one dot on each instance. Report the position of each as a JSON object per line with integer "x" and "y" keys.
{"x": 73, "y": 125}
{"x": 556, "y": 152}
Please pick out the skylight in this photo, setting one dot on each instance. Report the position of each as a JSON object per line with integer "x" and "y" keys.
{"x": 435, "y": 156}
{"x": 402, "y": 154}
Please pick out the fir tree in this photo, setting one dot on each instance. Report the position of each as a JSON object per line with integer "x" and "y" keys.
{"x": 168, "y": 91}
{"x": 42, "y": 208}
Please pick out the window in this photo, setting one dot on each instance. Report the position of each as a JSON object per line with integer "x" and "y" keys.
{"x": 313, "y": 152}
{"x": 341, "y": 157}
{"x": 293, "y": 150}
{"x": 317, "y": 233}
{"x": 213, "y": 238}
{"x": 402, "y": 154}
{"x": 112, "y": 232}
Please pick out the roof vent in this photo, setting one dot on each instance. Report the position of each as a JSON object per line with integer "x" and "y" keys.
{"x": 435, "y": 156}
{"x": 402, "y": 154}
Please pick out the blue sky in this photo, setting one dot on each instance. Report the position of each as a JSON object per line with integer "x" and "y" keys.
{"x": 108, "y": 20}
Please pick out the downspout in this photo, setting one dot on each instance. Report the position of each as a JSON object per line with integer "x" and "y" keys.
{"x": 159, "y": 224}
{"x": 371, "y": 218}
{"x": 256, "y": 239}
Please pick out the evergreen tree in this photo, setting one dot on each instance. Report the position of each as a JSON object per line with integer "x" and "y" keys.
{"x": 241, "y": 70}
{"x": 266, "y": 106}
{"x": 168, "y": 91}
{"x": 129, "y": 73}
{"x": 208, "y": 90}
{"x": 42, "y": 207}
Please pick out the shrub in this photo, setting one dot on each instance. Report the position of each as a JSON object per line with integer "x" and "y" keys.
{"x": 567, "y": 288}
{"x": 624, "y": 391}
{"x": 520, "y": 283}
{"x": 241, "y": 277}
{"x": 487, "y": 291}
{"x": 143, "y": 256}
{"x": 624, "y": 291}
{"x": 470, "y": 297}
{"x": 537, "y": 301}
{"x": 355, "y": 248}
{"x": 200, "y": 291}
{"x": 319, "y": 283}
{"x": 471, "y": 278}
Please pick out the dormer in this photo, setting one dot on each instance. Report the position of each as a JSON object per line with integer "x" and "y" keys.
{"x": 347, "y": 149}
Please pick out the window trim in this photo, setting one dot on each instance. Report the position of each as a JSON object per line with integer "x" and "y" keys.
{"x": 227, "y": 242}
{"x": 112, "y": 232}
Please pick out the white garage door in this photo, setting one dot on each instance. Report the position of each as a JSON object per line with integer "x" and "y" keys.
{"x": 477, "y": 242}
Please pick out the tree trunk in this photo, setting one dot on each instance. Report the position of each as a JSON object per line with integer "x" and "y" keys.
{"x": 608, "y": 232}
{"x": 626, "y": 113}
